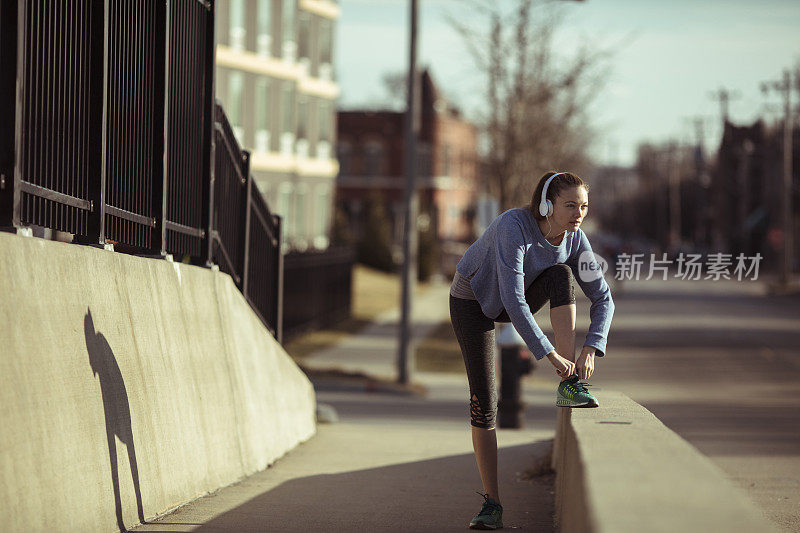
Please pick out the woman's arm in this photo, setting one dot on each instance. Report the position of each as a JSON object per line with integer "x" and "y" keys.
{"x": 597, "y": 290}
{"x": 509, "y": 257}
{"x": 584, "y": 365}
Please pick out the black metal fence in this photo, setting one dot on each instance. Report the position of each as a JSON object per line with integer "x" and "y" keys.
{"x": 318, "y": 288}
{"x": 263, "y": 275}
{"x": 246, "y": 236}
{"x": 191, "y": 111}
{"x": 110, "y": 132}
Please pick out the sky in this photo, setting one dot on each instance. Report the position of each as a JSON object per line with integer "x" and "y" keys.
{"x": 671, "y": 56}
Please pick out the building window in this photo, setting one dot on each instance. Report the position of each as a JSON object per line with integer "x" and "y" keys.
{"x": 289, "y": 44}
{"x": 304, "y": 41}
{"x": 325, "y": 129}
{"x": 284, "y": 206}
{"x": 236, "y": 31}
{"x": 287, "y": 118}
{"x": 233, "y": 105}
{"x": 300, "y": 214}
{"x": 373, "y": 153}
{"x": 325, "y": 49}
{"x": 322, "y": 212}
{"x": 446, "y": 160}
{"x": 264, "y": 38}
{"x": 302, "y": 126}
{"x": 424, "y": 166}
{"x": 343, "y": 153}
{"x": 262, "y": 114}
{"x": 398, "y": 221}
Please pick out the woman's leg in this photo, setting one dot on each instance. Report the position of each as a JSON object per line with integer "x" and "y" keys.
{"x": 475, "y": 334}
{"x": 555, "y": 284}
{"x": 484, "y": 444}
{"x": 562, "y": 318}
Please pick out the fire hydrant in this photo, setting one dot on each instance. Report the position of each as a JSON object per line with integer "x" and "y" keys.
{"x": 515, "y": 361}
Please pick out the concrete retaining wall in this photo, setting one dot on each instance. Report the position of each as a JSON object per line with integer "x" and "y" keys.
{"x": 129, "y": 386}
{"x": 619, "y": 469}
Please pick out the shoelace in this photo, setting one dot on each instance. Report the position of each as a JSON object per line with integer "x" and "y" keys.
{"x": 580, "y": 384}
{"x": 488, "y": 507}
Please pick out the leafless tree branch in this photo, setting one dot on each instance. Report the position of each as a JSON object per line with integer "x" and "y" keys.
{"x": 537, "y": 101}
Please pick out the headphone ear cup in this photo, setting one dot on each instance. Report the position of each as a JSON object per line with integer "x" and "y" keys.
{"x": 543, "y": 209}
{"x": 549, "y": 208}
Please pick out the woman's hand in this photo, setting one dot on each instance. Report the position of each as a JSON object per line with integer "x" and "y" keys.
{"x": 564, "y": 367}
{"x": 585, "y": 364}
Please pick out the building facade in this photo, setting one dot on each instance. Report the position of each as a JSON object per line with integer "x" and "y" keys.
{"x": 748, "y": 192}
{"x": 275, "y": 78}
{"x": 371, "y": 153}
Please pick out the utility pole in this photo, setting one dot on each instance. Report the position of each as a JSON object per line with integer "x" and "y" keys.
{"x": 723, "y": 96}
{"x": 411, "y": 208}
{"x": 701, "y": 211}
{"x": 785, "y": 86}
{"x": 699, "y": 133}
{"x": 744, "y": 154}
{"x": 704, "y": 216}
{"x": 702, "y": 219}
{"x": 674, "y": 198}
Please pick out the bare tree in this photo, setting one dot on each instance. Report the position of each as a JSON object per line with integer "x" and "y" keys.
{"x": 395, "y": 86}
{"x": 537, "y": 100}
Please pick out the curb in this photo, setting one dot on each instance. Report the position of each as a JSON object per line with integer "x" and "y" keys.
{"x": 620, "y": 469}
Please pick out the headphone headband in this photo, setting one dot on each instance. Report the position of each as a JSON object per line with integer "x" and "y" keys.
{"x": 545, "y": 205}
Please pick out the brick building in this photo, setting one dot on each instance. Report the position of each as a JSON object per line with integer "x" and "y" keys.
{"x": 370, "y": 148}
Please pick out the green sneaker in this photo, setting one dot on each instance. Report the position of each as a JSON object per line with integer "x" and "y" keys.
{"x": 490, "y": 517}
{"x": 573, "y": 393}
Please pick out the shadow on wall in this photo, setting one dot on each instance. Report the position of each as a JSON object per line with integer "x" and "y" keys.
{"x": 117, "y": 411}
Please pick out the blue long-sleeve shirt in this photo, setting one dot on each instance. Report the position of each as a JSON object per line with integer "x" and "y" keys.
{"x": 506, "y": 259}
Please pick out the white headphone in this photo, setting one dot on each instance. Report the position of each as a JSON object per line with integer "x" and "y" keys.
{"x": 545, "y": 205}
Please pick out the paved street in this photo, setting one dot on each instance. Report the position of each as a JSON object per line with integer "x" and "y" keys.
{"x": 719, "y": 363}
{"x": 394, "y": 461}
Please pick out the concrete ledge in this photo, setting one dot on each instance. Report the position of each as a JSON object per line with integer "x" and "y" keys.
{"x": 129, "y": 386}
{"x": 620, "y": 469}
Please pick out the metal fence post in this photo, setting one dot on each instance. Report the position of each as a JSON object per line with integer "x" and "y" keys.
{"x": 161, "y": 129}
{"x": 208, "y": 144}
{"x": 278, "y": 280}
{"x": 245, "y": 221}
{"x": 98, "y": 135}
{"x": 12, "y": 15}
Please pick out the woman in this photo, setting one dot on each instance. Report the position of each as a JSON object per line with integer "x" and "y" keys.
{"x": 526, "y": 257}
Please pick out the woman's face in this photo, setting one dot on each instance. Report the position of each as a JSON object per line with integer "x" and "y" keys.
{"x": 569, "y": 209}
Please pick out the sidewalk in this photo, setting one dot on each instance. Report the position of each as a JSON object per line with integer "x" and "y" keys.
{"x": 394, "y": 461}
{"x": 374, "y": 350}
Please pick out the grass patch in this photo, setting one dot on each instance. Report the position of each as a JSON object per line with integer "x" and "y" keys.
{"x": 374, "y": 293}
{"x": 313, "y": 341}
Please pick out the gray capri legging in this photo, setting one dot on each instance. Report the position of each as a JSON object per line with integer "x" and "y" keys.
{"x": 475, "y": 334}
